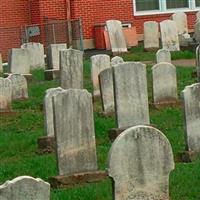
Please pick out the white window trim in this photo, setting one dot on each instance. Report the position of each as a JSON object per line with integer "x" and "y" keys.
{"x": 163, "y": 10}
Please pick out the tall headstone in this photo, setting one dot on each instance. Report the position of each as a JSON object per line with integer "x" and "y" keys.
{"x": 19, "y": 86}
{"x": 1, "y": 64}
{"x": 164, "y": 83}
{"x": 151, "y": 36}
{"x": 140, "y": 161}
{"x": 198, "y": 62}
{"x": 18, "y": 61}
{"x": 5, "y": 94}
{"x": 25, "y": 188}
{"x": 106, "y": 88}
{"x": 71, "y": 69}
{"x": 36, "y": 54}
{"x": 98, "y": 64}
{"x": 169, "y": 35}
{"x": 74, "y": 130}
{"x": 116, "y": 60}
{"x": 48, "y": 110}
{"x": 197, "y": 31}
{"x": 116, "y": 36}
{"x": 163, "y": 55}
{"x": 191, "y": 102}
{"x": 130, "y": 94}
{"x": 53, "y": 60}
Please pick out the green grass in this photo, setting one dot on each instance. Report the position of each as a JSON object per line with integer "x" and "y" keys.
{"x": 19, "y": 133}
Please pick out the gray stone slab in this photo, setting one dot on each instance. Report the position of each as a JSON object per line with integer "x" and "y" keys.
{"x": 25, "y": 188}
{"x": 98, "y": 64}
{"x": 36, "y": 54}
{"x": 53, "y": 59}
{"x": 140, "y": 161}
{"x": 5, "y": 94}
{"x": 151, "y": 35}
{"x": 71, "y": 69}
{"x": 130, "y": 94}
{"x": 164, "y": 83}
{"x": 169, "y": 35}
{"x": 48, "y": 110}
{"x": 18, "y": 61}
{"x": 1, "y": 64}
{"x": 106, "y": 87}
{"x": 74, "y": 130}
{"x": 116, "y": 36}
{"x": 19, "y": 86}
{"x": 163, "y": 55}
{"x": 116, "y": 60}
{"x": 191, "y": 102}
{"x": 198, "y": 62}
{"x": 197, "y": 31}
{"x": 180, "y": 18}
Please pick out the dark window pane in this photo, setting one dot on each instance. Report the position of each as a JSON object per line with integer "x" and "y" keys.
{"x": 198, "y": 3}
{"x": 147, "y": 5}
{"x": 177, "y": 3}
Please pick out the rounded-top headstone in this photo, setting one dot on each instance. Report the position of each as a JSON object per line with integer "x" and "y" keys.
{"x": 163, "y": 55}
{"x": 140, "y": 161}
{"x": 116, "y": 60}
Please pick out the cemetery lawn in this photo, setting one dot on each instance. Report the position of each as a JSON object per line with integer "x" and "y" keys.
{"x": 19, "y": 133}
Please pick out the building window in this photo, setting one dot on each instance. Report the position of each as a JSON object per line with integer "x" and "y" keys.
{"x": 177, "y": 4}
{"x": 143, "y": 5}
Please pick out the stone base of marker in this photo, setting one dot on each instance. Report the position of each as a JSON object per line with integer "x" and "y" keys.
{"x": 46, "y": 144}
{"x": 67, "y": 181}
{"x": 29, "y": 77}
{"x": 162, "y": 104}
{"x": 52, "y": 74}
{"x": 187, "y": 156}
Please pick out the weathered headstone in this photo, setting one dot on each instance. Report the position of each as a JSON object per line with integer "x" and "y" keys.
{"x": 106, "y": 88}
{"x": 53, "y": 60}
{"x": 74, "y": 130}
{"x": 19, "y": 86}
{"x": 130, "y": 94}
{"x": 164, "y": 84}
{"x": 1, "y": 65}
{"x": 36, "y": 54}
{"x": 98, "y": 63}
{"x": 191, "y": 102}
{"x": 116, "y": 60}
{"x": 116, "y": 36}
{"x": 48, "y": 110}
{"x": 198, "y": 62}
{"x": 169, "y": 35}
{"x": 25, "y": 188}
{"x": 5, "y": 94}
{"x": 140, "y": 161}
{"x": 151, "y": 36}
{"x": 18, "y": 61}
{"x": 197, "y": 15}
{"x": 71, "y": 69}
{"x": 197, "y": 31}
{"x": 163, "y": 55}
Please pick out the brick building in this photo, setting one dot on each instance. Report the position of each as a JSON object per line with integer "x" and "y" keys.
{"x": 17, "y": 13}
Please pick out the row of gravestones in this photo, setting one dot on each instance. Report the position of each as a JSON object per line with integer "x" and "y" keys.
{"x": 14, "y": 87}
{"x": 173, "y": 33}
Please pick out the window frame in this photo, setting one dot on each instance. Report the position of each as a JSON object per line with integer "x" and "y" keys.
{"x": 163, "y": 8}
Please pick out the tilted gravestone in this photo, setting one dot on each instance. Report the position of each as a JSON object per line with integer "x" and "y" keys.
{"x": 71, "y": 69}
{"x": 198, "y": 62}
{"x": 140, "y": 161}
{"x": 74, "y": 131}
{"x": 1, "y": 65}
{"x": 164, "y": 84}
{"x": 130, "y": 94}
{"x": 151, "y": 36}
{"x": 36, "y": 54}
{"x": 19, "y": 86}
{"x": 18, "y": 61}
{"x": 98, "y": 63}
{"x": 106, "y": 88}
{"x": 116, "y": 36}
{"x": 163, "y": 55}
{"x": 191, "y": 102}
{"x": 116, "y": 60}
{"x": 25, "y": 188}
{"x": 5, "y": 94}
{"x": 169, "y": 35}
